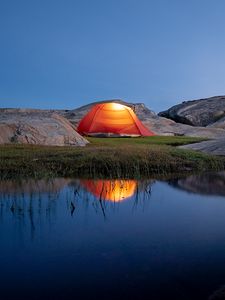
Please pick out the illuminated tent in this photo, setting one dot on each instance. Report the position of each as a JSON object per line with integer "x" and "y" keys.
{"x": 111, "y": 190}
{"x": 112, "y": 119}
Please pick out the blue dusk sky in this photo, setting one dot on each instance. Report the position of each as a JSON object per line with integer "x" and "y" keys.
{"x": 64, "y": 54}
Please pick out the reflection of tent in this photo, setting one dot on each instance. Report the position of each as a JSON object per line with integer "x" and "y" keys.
{"x": 112, "y": 119}
{"x": 112, "y": 190}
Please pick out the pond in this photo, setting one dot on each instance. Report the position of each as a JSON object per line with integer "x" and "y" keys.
{"x": 113, "y": 239}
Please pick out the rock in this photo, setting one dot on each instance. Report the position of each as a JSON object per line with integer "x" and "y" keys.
{"x": 26, "y": 126}
{"x": 216, "y": 147}
{"x": 163, "y": 126}
{"x": 218, "y": 124}
{"x": 159, "y": 125}
{"x": 202, "y": 112}
{"x": 75, "y": 115}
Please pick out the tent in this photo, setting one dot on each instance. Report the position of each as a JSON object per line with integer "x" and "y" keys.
{"x": 111, "y": 190}
{"x": 112, "y": 119}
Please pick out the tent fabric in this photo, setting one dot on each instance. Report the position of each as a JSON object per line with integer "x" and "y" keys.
{"x": 112, "y": 119}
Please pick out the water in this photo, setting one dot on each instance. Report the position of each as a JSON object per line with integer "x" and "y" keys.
{"x": 82, "y": 239}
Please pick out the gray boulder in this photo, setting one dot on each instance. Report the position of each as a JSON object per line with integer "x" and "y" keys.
{"x": 202, "y": 112}
{"x": 28, "y": 126}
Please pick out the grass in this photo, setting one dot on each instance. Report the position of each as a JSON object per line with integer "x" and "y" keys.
{"x": 107, "y": 157}
{"x": 153, "y": 140}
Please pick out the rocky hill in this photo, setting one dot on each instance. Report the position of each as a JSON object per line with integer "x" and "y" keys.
{"x": 75, "y": 115}
{"x": 158, "y": 124}
{"x": 208, "y": 113}
{"x": 57, "y": 127}
{"x": 202, "y": 112}
{"x": 37, "y": 127}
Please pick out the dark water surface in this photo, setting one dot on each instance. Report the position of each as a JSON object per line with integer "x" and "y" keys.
{"x": 84, "y": 239}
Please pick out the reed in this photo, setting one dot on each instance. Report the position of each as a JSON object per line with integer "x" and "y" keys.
{"x": 111, "y": 158}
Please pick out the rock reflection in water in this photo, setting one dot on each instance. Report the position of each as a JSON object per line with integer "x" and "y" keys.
{"x": 205, "y": 184}
{"x": 65, "y": 238}
{"x": 31, "y": 201}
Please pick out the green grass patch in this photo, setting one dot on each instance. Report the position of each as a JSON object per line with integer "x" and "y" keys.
{"x": 107, "y": 157}
{"x": 152, "y": 140}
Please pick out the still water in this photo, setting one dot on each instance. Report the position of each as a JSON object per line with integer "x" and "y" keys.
{"x": 120, "y": 239}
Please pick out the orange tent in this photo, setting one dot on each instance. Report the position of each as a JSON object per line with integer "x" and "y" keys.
{"x": 111, "y": 190}
{"x": 112, "y": 119}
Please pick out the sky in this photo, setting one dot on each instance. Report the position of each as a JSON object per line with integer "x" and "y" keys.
{"x": 64, "y": 54}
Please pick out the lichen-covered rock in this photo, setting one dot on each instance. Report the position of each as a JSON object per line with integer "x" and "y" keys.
{"x": 37, "y": 127}
{"x": 202, "y": 112}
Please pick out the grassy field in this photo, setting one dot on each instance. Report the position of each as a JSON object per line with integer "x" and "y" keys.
{"x": 107, "y": 157}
